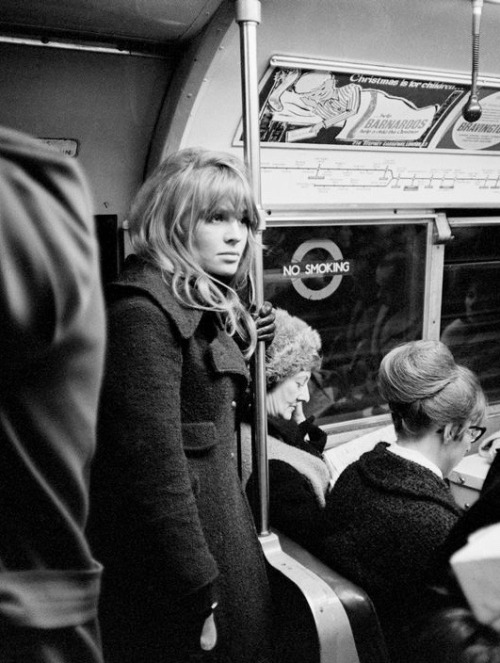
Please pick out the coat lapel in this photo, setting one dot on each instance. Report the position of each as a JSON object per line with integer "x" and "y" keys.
{"x": 224, "y": 354}
{"x": 146, "y": 277}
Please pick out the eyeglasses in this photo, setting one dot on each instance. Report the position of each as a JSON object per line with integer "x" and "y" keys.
{"x": 475, "y": 432}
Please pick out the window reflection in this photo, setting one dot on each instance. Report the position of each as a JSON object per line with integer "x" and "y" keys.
{"x": 373, "y": 302}
{"x": 470, "y": 320}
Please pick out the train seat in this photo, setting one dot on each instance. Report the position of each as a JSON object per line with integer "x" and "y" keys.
{"x": 301, "y": 640}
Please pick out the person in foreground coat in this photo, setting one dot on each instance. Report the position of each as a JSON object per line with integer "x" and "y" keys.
{"x": 184, "y": 572}
{"x": 389, "y": 511}
{"x": 458, "y": 627}
{"x": 52, "y": 338}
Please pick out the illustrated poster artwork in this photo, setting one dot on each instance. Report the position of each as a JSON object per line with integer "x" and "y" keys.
{"x": 354, "y": 110}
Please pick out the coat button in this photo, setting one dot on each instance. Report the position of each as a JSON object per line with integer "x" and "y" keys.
{"x": 233, "y": 405}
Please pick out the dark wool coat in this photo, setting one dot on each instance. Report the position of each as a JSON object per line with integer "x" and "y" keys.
{"x": 385, "y": 518}
{"x": 169, "y": 520}
{"x": 294, "y": 508}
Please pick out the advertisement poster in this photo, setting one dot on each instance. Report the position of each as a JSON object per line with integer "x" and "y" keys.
{"x": 317, "y": 107}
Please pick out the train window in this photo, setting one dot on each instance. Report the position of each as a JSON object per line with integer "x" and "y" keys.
{"x": 470, "y": 318}
{"x": 362, "y": 287}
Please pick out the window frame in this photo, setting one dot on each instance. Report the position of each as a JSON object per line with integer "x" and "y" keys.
{"x": 468, "y": 219}
{"x": 438, "y": 233}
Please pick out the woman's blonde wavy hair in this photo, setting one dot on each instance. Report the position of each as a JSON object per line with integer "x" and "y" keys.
{"x": 186, "y": 188}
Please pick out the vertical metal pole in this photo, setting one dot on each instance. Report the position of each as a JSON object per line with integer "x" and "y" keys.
{"x": 248, "y": 17}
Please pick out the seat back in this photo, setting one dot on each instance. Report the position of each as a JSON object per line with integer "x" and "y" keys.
{"x": 348, "y": 629}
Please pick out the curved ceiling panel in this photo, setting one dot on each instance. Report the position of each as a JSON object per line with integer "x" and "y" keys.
{"x": 154, "y": 21}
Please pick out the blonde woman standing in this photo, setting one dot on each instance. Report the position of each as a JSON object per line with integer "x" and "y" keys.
{"x": 184, "y": 574}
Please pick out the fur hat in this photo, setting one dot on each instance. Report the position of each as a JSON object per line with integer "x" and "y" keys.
{"x": 295, "y": 347}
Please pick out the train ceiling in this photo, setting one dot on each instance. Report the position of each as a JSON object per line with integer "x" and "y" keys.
{"x": 122, "y": 22}
{"x": 425, "y": 27}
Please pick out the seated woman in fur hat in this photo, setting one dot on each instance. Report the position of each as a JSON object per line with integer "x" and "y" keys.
{"x": 299, "y": 478}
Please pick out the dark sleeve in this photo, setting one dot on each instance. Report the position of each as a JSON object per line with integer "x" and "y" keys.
{"x": 293, "y": 507}
{"x": 317, "y": 436}
{"x": 48, "y": 251}
{"x": 493, "y": 477}
{"x": 485, "y": 511}
{"x": 140, "y": 425}
{"x": 423, "y": 537}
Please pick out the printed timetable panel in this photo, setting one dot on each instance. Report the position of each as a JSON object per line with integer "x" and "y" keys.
{"x": 353, "y": 179}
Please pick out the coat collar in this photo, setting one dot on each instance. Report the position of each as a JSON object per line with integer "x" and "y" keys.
{"x": 138, "y": 274}
{"x": 394, "y": 474}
